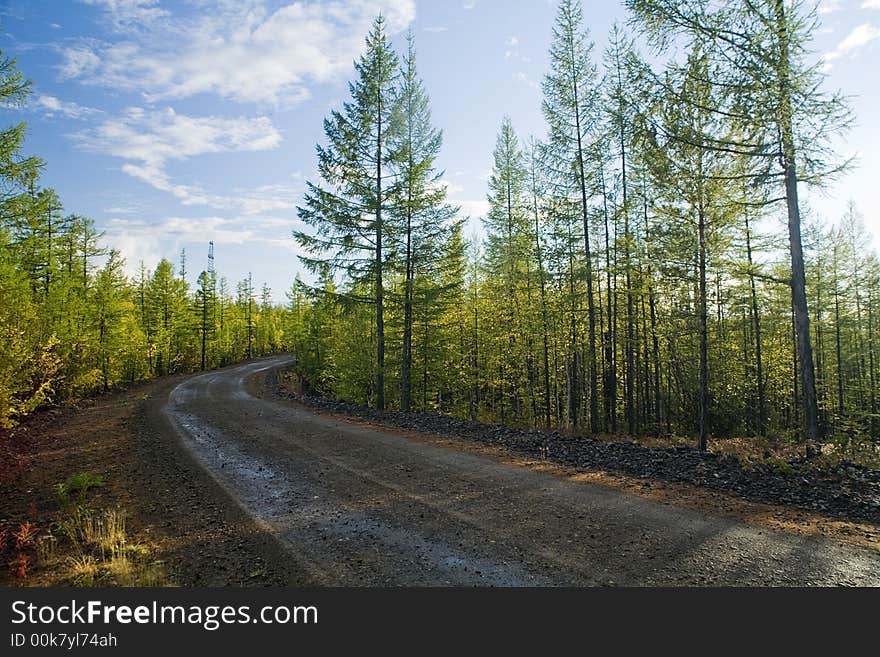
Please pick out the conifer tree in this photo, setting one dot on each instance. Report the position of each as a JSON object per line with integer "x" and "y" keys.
{"x": 570, "y": 109}
{"x": 350, "y": 214}
{"x": 508, "y": 247}
{"x": 420, "y": 213}
{"x": 784, "y": 121}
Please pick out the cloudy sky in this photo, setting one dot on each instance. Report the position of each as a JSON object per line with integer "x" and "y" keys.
{"x": 172, "y": 123}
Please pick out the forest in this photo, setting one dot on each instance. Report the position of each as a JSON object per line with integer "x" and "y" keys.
{"x": 73, "y": 324}
{"x": 645, "y": 268}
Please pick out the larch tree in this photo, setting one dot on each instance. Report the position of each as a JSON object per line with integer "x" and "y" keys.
{"x": 689, "y": 175}
{"x": 619, "y": 117}
{"x": 784, "y": 119}
{"x": 537, "y": 185}
{"x": 350, "y": 214}
{"x": 420, "y": 212}
{"x": 112, "y": 303}
{"x": 204, "y": 311}
{"x": 508, "y": 248}
{"x": 28, "y": 361}
{"x": 570, "y": 109}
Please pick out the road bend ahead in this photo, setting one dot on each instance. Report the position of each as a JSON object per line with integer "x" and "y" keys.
{"x": 357, "y": 506}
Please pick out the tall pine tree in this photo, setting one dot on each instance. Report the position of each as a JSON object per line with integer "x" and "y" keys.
{"x": 350, "y": 214}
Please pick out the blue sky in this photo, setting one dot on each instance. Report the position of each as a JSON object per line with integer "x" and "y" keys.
{"x": 174, "y": 123}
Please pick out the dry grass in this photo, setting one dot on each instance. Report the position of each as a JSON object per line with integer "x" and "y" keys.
{"x": 102, "y": 554}
{"x": 82, "y": 570}
{"x": 83, "y": 547}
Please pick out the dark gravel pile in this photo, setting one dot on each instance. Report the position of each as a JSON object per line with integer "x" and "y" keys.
{"x": 846, "y": 490}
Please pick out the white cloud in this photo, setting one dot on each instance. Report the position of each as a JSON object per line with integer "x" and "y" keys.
{"x": 78, "y": 61}
{"x": 452, "y": 189}
{"x": 871, "y": 4}
{"x": 860, "y": 36}
{"x": 126, "y": 12}
{"x": 436, "y": 29}
{"x": 153, "y": 137}
{"x": 512, "y": 51}
{"x": 148, "y": 140}
{"x": 221, "y": 230}
{"x": 469, "y": 4}
{"x": 50, "y": 106}
{"x": 857, "y": 39}
{"x": 828, "y": 6}
{"x": 123, "y": 209}
{"x": 249, "y": 202}
{"x": 238, "y": 50}
{"x": 141, "y": 241}
{"x": 470, "y": 208}
{"x": 148, "y": 241}
{"x": 522, "y": 78}
{"x": 135, "y": 248}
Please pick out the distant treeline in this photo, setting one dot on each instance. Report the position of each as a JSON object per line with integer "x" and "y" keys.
{"x": 72, "y": 323}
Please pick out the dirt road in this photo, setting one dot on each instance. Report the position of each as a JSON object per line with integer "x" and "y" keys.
{"x": 361, "y": 506}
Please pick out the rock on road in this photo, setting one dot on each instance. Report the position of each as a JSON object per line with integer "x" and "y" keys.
{"x": 357, "y": 506}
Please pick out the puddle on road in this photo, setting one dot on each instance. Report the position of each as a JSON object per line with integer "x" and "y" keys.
{"x": 253, "y": 482}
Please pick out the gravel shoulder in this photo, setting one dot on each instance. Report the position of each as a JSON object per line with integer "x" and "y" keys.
{"x": 676, "y": 491}
{"x": 171, "y": 504}
{"x": 846, "y": 491}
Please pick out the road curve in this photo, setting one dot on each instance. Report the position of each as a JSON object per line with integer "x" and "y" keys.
{"x": 362, "y": 507}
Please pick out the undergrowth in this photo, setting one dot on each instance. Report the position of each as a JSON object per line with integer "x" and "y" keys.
{"x": 80, "y": 546}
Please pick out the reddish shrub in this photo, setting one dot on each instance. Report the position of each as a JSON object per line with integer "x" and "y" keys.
{"x": 20, "y": 565}
{"x": 25, "y": 535}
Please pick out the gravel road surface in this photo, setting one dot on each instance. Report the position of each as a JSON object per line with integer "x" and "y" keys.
{"x": 356, "y": 505}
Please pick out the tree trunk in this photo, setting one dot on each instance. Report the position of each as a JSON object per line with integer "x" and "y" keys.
{"x": 841, "y": 405}
{"x": 798, "y": 276}
{"x": 610, "y": 383}
{"x": 871, "y": 372}
{"x": 704, "y": 331}
{"x": 250, "y": 317}
{"x": 756, "y": 324}
{"x": 860, "y": 346}
{"x": 588, "y": 255}
{"x": 406, "y": 364}
{"x": 204, "y": 325}
{"x": 543, "y": 288}
{"x": 821, "y": 374}
{"x": 658, "y": 397}
{"x": 380, "y": 291}
{"x": 475, "y": 366}
{"x": 425, "y": 368}
{"x": 572, "y": 366}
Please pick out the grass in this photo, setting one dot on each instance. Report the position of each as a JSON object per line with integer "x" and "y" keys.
{"x": 82, "y": 570}
{"x": 81, "y": 546}
{"x": 101, "y": 553}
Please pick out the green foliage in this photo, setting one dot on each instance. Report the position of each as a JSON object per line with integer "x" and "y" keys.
{"x": 72, "y": 323}
{"x": 77, "y": 485}
{"x": 632, "y": 276}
